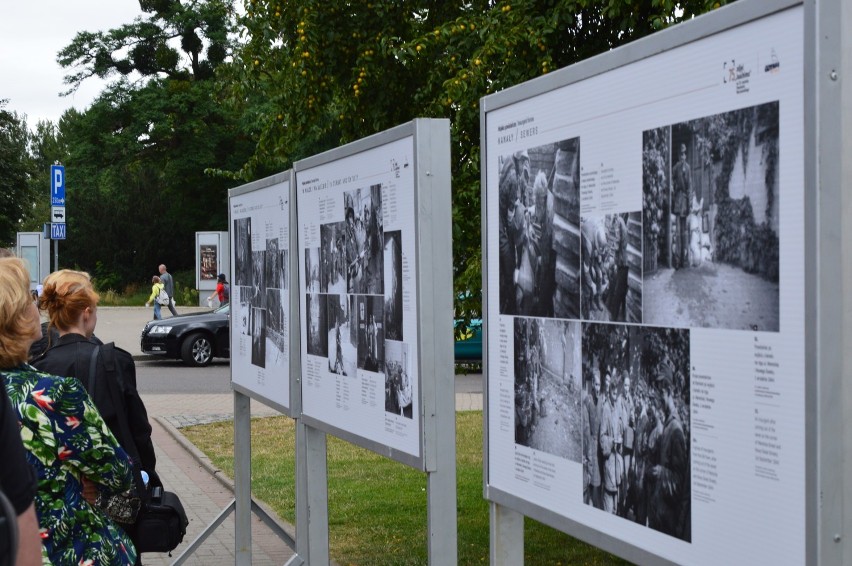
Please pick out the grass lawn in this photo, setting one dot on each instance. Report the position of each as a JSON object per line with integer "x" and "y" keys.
{"x": 377, "y": 507}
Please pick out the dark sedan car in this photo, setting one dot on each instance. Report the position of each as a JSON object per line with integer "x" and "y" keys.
{"x": 194, "y": 338}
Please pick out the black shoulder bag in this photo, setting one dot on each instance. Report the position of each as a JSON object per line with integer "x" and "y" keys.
{"x": 161, "y": 522}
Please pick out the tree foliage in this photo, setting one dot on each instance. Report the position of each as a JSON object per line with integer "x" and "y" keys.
{"x": 315, "y": 74}
{"x": 16, "y": 168}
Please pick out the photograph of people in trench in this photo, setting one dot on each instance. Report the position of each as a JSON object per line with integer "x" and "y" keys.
{"x": 398, "y": 380}
{"x": 539, "y": 220}
{"x": 636, "y": 425}
{"x": 363, "y": 240}
{"x": 711, "y": 221}
{"x": 612, "y": 267}
{"x": 342, "y": 335}
{"x": 547, "y": 386}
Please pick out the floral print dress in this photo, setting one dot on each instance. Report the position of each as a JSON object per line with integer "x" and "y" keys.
{"x": 66, "y": 439}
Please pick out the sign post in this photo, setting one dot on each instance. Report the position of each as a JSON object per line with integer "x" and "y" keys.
{"x": 57, "y": 209}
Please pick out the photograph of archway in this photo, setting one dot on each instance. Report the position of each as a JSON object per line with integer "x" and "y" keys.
{"x": 710, "y": 221}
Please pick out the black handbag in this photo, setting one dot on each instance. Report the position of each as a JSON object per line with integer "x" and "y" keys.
{"x": 162, "y": 523}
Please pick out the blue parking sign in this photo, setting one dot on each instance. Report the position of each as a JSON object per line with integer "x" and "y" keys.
{"x": 57, "y": 185}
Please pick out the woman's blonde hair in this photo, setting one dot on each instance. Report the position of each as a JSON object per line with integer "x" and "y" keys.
{"x": 16, "y": 322}
{"x": 65, "y": 295}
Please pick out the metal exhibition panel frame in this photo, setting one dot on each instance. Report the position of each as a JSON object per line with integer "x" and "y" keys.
{"x": 753, "y": 412}
{"x": 264, "y": 342}
{"x": 375, "y": 258}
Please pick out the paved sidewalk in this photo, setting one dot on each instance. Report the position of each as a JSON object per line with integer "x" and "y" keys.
{"x": 204, "y": 490}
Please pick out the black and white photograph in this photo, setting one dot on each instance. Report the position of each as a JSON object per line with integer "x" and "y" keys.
{"x": 333, "y": 258}
{"x": 258, "y": 272}
{"x": 363, "y": 240}
{"x": 612, "y": 267}
{"x": 636, "y": 422}
{"x": 548, "y": 379}
{"x": 393, "y": 285}
{"x": 258, "y": 337}
{"x": 316, "y": 305}
{"x": 539, "y": 224}
{"x": 371, "y": 334}
{"x": 312, "y": 270}
{"x": 240, "y": 317}
{"x": 398, "y": 384}
{"x": 276, "y": 335}
{"x": 710, "y": 221}
{"x": 242, "y": 252}
{"x": 342, "y": 336}
{"x": 274, "y": 268}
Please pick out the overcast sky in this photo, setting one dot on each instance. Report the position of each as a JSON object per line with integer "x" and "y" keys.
{"x": 32, "y": 33}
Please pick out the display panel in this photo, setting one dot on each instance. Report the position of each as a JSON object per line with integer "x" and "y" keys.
{"x": 357, "y": 231}
{"x": 645, "y": 313}
{"x": 260, "y": 289}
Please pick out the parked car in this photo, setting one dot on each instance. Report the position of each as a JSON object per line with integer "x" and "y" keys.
{"x": 468, "y": 344}
{"x": 194, "y": 338}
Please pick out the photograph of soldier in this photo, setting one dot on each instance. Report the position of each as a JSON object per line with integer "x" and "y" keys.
{"x": 371, "y": 335}
{"x": 242, "y": 252}
{"x": 398, "y": 380}
{"x": 710, "y": 223}
{"x": 393, "y": 285}
{"x": 333, "y": 258}
{"x": 547, "y": 387}
{"x": 363, "y": 241}
{"x": 636, "y": 425}
{"x": 538, "y": 222}
{"x": 316, "y": 306}
{"x": 209, "y": 263}
{"x": 312, "y": 270}
{"x": 612, "y": 267}
{"x": 342, "y": 335}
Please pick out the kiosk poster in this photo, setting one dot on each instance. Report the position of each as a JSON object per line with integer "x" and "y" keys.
{"x": 359, "y": 332}
{"x": 209, "y": 262}
{"x": 645, "y": 270}
{"x": 260, "y": 291}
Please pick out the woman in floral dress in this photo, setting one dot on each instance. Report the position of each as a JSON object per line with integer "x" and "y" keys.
{"x": 66, "y": 439}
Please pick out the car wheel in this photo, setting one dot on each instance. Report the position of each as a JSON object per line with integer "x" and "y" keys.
{"x": 197, "y": 350}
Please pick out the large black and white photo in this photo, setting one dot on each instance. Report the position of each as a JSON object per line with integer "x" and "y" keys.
{"x": 363, "y": 241}
{"x": 539, "y": 218}
{"x": 547, "y": 386}
{"x": 636, "y": 423}
{"x": 333, "y": 258}
{"x": 242, "y": 251}
{"x": 371, "y": 334}
{"x": 710, "y": 221}
{"x": 316, "y": 306}
{"x": 342, "y": 336}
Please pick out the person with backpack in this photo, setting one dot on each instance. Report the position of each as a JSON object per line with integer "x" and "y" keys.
{"x": 107, "y": 372}
{"x": 159, "y": 297}
{"x": 222, "y": 292}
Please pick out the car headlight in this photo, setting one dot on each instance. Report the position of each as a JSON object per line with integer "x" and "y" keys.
{"x": 160, "y": 330}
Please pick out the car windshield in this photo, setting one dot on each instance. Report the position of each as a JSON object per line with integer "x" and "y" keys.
{"x": 224, "y": 309}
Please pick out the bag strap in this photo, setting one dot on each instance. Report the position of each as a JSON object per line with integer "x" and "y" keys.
{"x": 112, "y": 385}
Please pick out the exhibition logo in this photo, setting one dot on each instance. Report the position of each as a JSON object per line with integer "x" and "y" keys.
{"x": 775, "y": 65}
{"x": 736, "y": 73}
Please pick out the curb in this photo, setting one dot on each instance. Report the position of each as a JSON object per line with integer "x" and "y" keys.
{"x": 219, "y": 475}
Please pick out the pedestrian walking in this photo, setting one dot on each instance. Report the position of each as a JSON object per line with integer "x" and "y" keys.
{"x": 169, "y": 285}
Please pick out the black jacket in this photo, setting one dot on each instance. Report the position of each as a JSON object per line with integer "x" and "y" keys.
{"x": 61, "y": 359}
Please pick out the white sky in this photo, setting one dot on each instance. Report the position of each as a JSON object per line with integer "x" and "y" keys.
{"x": 32, "y": 33}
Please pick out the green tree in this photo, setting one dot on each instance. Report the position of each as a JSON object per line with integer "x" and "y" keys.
{"x": 315, "y": 74}
{"x": 136, "y": 159}
{"x": 16, "y": 168}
